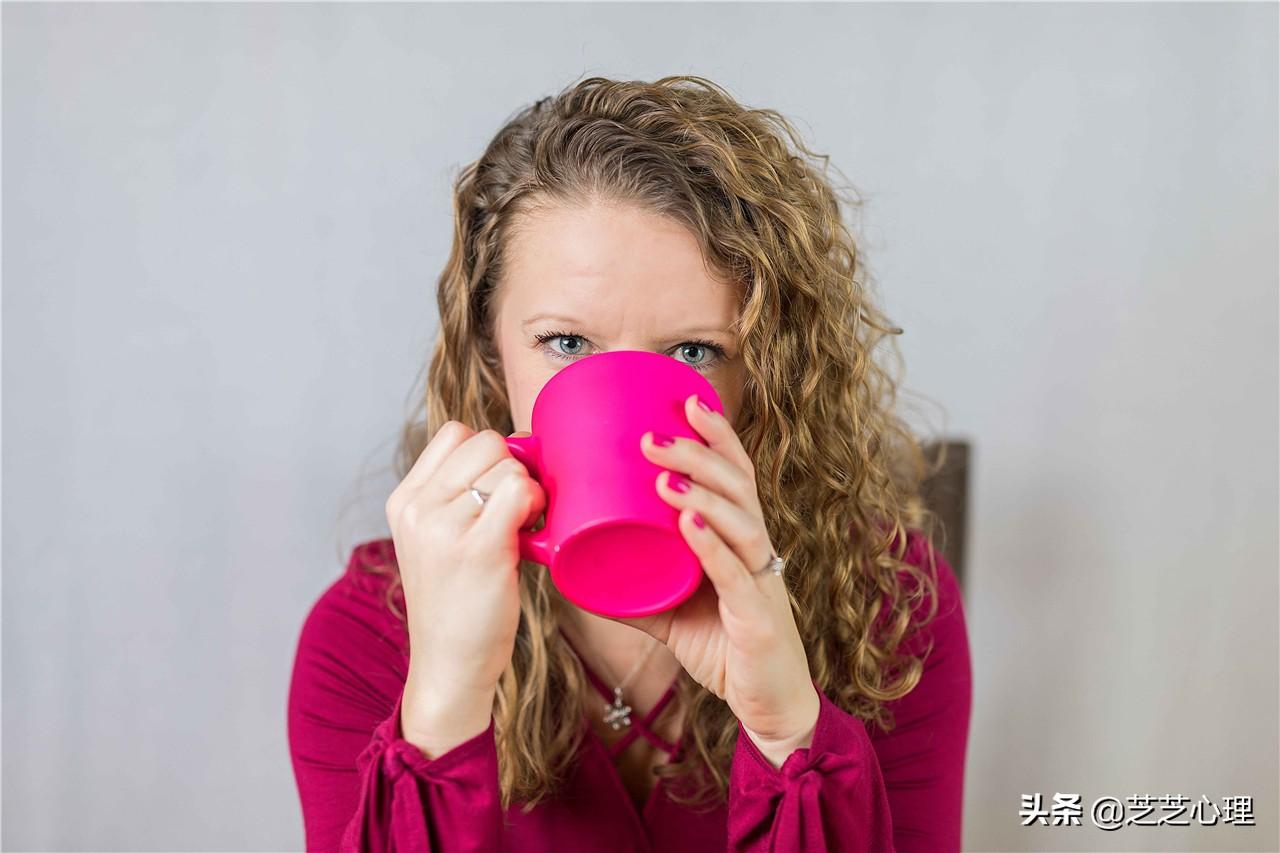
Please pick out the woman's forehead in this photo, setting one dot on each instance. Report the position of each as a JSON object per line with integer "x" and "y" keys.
{"x": 613, "y": 267}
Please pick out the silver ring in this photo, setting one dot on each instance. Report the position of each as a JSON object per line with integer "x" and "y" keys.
{"x": 774, "y": 565}
{"x": 480, "y": 496}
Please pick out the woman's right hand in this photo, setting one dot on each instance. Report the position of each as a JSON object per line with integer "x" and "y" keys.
{"x": 459, "y": 570}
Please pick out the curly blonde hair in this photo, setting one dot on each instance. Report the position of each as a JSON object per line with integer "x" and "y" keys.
{"x": 839, "y": 473}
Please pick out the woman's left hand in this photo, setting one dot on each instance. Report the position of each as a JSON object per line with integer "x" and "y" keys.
{"x": 738, "y": 637}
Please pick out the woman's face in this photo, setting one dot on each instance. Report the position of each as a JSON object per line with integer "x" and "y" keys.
{"x": 586, "y": 280}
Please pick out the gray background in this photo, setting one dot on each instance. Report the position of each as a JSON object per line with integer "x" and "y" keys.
{"x": 222, "y": 228}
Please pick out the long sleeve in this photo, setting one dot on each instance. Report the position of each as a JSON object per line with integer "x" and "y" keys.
{"x": 413, "y": 803}
{"x": 827, "y": 796}
{"x": 362, "y": 786}
{"x": 900, "y": 791}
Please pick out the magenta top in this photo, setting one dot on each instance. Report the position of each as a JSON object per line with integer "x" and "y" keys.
{"x": 364, "y": 787}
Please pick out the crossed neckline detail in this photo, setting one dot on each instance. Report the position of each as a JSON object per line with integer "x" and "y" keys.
{"x": 639, "y": 727}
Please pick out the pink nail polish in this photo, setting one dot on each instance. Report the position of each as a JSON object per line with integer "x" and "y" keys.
{"x": 663, "y": 440}
{"x": 704, "y": 406}
{"x": 678, "y": 482}
{"x": 697, "y": 520}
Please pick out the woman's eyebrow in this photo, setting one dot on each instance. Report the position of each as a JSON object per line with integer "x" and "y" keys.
{"x": 570, "y": 321}
{"x": 561, "y": 318}
{"x": 709, "y": 330}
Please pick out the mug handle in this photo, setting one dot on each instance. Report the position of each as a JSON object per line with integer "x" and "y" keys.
{"x": 534, "y": 544}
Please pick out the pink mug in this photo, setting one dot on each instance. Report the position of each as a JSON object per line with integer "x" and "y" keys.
{"x": 612, "y": 544}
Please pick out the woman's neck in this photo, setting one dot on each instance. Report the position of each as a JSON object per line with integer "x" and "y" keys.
{"x": 618, "y": 646}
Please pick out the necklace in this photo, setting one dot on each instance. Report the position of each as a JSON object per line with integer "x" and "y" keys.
{"x": 618, "y": 713}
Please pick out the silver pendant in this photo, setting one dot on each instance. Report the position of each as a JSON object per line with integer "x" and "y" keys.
{"x": 617, "y": 714}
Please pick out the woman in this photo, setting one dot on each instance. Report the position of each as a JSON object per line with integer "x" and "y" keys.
{"x": 446, "y": 697}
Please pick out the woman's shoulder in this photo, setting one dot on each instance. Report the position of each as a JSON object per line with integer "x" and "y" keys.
{"x": 353, "y": 611}
{"x": 351, "y": 661}
{"x": 371, "y": 566}
{"x": 939, "y": 635}
{"x": 924, "y": 555}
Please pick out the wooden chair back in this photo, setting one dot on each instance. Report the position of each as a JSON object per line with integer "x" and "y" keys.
{"x": 946, "y": 492}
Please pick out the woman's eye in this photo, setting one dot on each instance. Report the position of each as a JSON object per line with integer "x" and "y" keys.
{"x": 572, "y": 344}
{"x": 700, "y": 355}
{"x": 696, "y": 354}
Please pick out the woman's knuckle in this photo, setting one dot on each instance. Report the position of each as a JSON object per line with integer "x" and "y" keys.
{"x": 737, "y": 490}
{"x": 412, "y": 513}
{"x": 491, "y": 439}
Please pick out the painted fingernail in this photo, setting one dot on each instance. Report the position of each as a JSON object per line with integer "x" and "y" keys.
{"x": 663, "y": 440}
{"x": 704, "y": 406}
{"x": 677, "y": 482}
{"x": 697, "y": 519}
